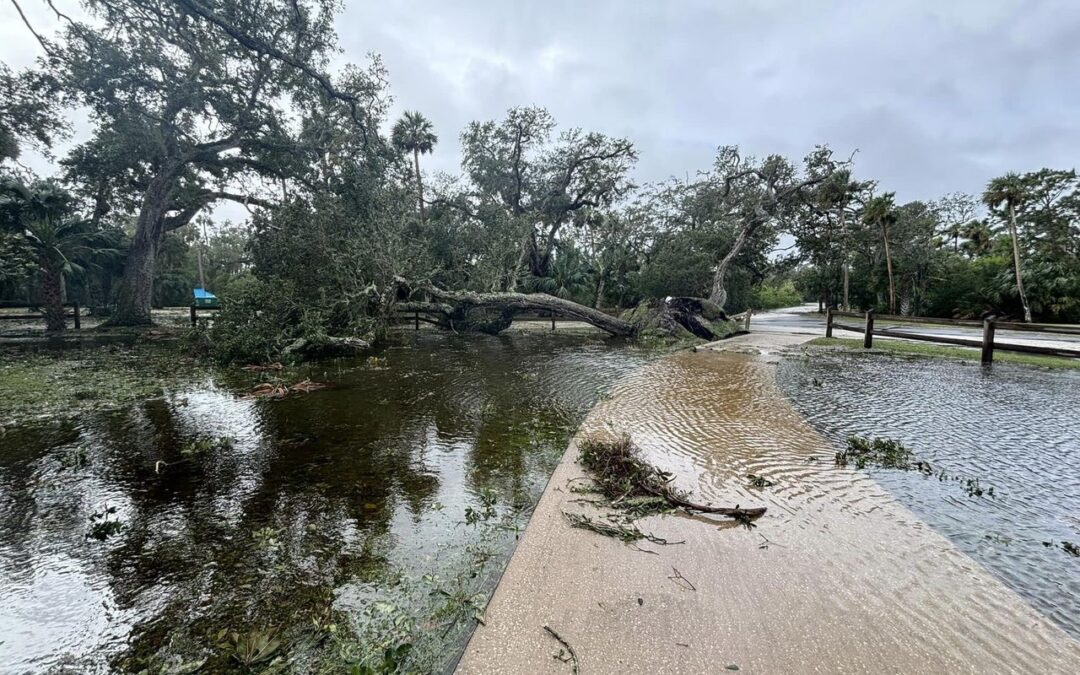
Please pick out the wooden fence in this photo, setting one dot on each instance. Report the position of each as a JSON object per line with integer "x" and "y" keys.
{"x": 76, "y": 313}
{"x": 987, "y": 343}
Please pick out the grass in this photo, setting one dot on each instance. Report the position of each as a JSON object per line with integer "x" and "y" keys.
{"x": 948, "y": 352}
{"x": 67, "y": 382}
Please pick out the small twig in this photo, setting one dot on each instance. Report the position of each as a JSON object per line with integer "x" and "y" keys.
{"x": 681, "y": 580}
{"x": 569, "y": 649}
{"x": 766, "y": 542}
{"x": 642, "y": 550}
{"x": 660, "y": 541}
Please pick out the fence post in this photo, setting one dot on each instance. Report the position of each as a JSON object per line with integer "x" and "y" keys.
{"x": 868, "y": 335}
{"x": 988, "y": 340}
{"x": 746, "y": 319}
{"x": 78, "y": 319}
{"x": 416, "y": 319}
{"x": 552, "y": 319}
{"x": 193, "y": 320}
{"x": 828, "y": 322}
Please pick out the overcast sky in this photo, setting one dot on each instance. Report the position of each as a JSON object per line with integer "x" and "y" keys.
{"x": 937, "y": 96}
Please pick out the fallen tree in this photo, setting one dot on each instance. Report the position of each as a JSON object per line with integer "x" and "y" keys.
{"x": 493, "y": 313}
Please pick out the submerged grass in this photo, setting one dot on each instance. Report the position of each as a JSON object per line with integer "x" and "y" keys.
{"x": 948, "y": 352}
{"x": 36, "y": 383}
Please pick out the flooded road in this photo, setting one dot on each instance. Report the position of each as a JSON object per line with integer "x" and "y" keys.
{"x": 837, "y": 576}
{"x": 1014, "y": 428}
{"x": 366, "y": 521}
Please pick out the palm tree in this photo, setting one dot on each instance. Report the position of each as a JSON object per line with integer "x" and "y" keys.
{"x": 62, "y": 244}
{"x": 414, "y": 133}
{"x": 881, "y": 212}
{"x": 978, "y": 238}
{"x": 1009, "y": 190}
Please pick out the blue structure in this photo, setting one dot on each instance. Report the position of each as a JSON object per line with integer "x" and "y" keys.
{"x": 204, "y": 298}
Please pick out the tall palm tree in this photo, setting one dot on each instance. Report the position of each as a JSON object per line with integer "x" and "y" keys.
{"x": 881, "y": 212}
{"x": 1009, "y": 190}
{"x": 62, "y": 244}
{"x": 414, "y": 133}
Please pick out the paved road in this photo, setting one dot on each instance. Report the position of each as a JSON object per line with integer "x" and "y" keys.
{"x": 806, "y": 320}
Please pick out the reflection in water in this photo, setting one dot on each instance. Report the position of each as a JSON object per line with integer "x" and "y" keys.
{"x": 323, "y": 504}
{"x": 1016, "y": 429}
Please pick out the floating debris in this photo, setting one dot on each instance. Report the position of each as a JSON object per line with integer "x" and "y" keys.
{"x": 621, "y": 474}
{"x": 205, "y": 446}
{"x": 279, "y": 390}
{"x": 102, "y": 526}
{"x": 760, "y": 481}
{"x": 883, "y": 452}
{"x": 262, "y": 368}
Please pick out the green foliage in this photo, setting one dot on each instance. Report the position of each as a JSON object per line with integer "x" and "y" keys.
{"x": 263, "y": 321}
{"x": 414, "y": 133}
{"x": 205, "y": 446}
{"x": 883, "y": 452}
{"x": 776, "y": 296}
{"x": 104, "y": 524}
{"x": 29, "y": 111}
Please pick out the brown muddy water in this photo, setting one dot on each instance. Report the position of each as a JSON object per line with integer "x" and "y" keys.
{"x": 1014, "y": 428}
{"x": 362, "y": 523}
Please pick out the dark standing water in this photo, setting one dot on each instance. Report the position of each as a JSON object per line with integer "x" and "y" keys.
{"x": 1016, "y": 429}
{"x": 365, "y": 522}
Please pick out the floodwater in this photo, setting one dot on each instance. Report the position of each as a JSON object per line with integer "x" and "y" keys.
{"x": 837, "y": 576}
{"x": 367, "y": 521}
{"x": 1016, "y": 429}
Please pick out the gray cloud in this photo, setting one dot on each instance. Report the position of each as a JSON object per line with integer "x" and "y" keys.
{"x": 936, "y": 96}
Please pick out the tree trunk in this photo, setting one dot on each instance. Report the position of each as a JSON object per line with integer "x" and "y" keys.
{"x": 419, "y": 185}
{"x": 888, "y": 267}
{"x": 493, "y": 312}
{"x": 843, "y": 232}
{"x": 1016, "y": 263}
{"x": 847, "y": 285}
{"x": 137, "y": 285}
{"x": 719, "y": 288}
{"x": 599, "y": 290}
{"x": 52, "y": 290}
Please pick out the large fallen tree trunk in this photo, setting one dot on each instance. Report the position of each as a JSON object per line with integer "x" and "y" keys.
{"x": 494, "y": 312}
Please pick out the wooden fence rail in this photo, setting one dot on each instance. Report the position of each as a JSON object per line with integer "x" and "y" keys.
{"x": 987, "y": 343}
{"x": 75, "y": 314}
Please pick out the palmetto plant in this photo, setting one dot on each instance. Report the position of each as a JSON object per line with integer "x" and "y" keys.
{"x": 63, "y": 244}
{"x": 414, "y": 133}
{"x": 569, "y": 277}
